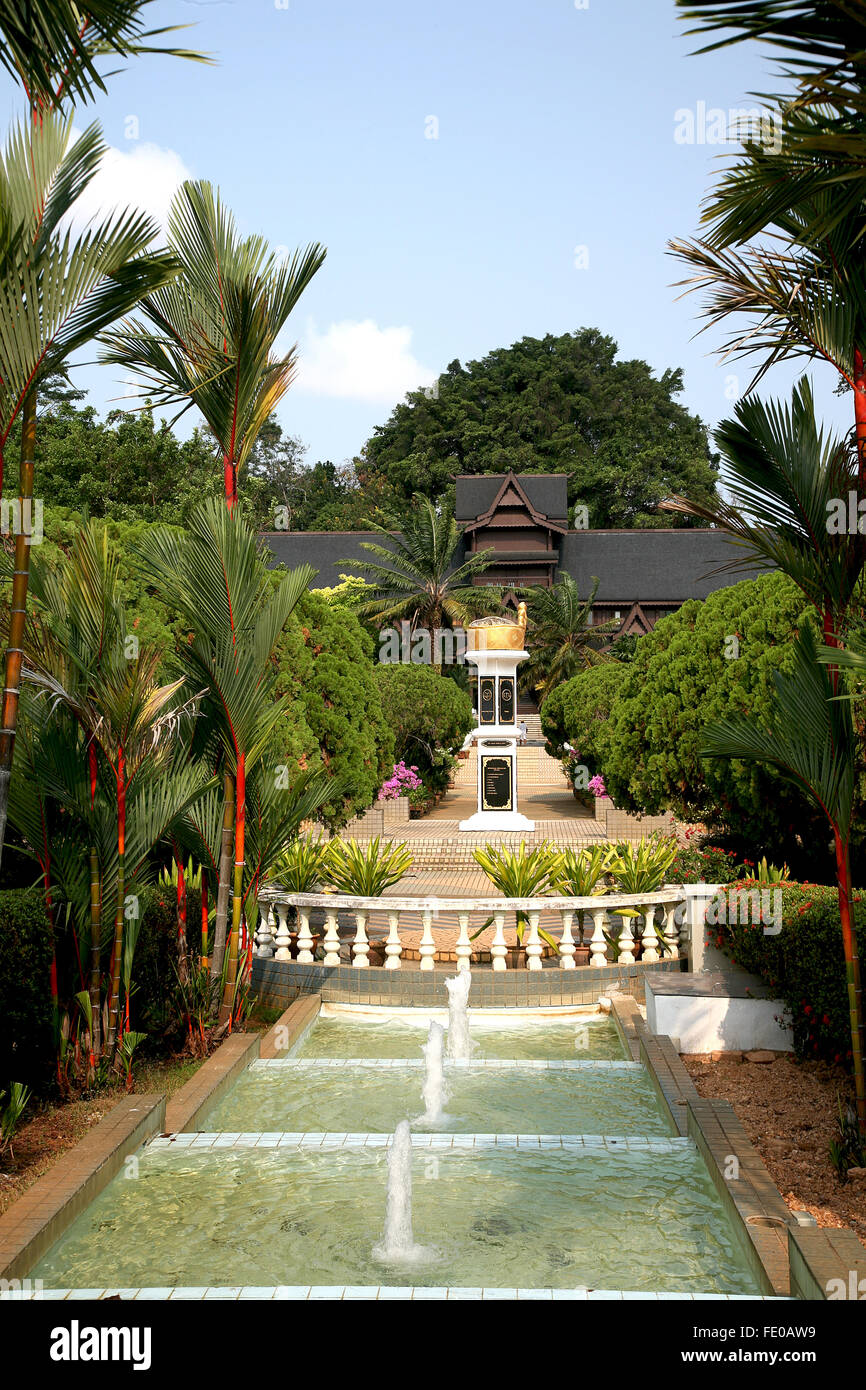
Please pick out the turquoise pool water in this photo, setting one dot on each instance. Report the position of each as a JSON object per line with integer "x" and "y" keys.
{"x": 508, "y": 1101}
{"x": 492, "y": 1218}
{"x": 582, "y": 1037}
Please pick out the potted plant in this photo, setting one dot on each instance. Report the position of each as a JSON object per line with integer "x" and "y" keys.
{"x": 366, "y": 871}
{"x": 583, "y": 873}
{"x": 301, "y": 868}
{"x": 520, "y": 873}
{"x": 642, "y": 868}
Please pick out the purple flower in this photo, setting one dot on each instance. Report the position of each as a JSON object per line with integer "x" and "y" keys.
{"x": 596, "y": 785}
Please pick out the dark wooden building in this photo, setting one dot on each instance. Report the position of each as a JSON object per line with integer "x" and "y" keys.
{"x": 642, "y": 575}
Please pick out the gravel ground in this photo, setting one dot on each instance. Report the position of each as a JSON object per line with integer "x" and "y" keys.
{"x": 788, "y": 1109}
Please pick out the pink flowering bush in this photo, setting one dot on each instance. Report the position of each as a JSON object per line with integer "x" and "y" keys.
{"x": 596, "y": 785}
{"x": 402, "y": 781}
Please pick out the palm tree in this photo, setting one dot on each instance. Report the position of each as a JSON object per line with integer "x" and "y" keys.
{"x": 805, "y": 295}
{"x": 236, "y": 609}
{"x": 564, "y": 639}
{"x": 809, "y": 739}
{"x": 52, "y": 46}
{"x": 58, "y": 289}
{"x": 416, "y": 574}
{"x": 803, "y": 292}
{"x": 78, "y": 654}
{"x": 209, "y": 340}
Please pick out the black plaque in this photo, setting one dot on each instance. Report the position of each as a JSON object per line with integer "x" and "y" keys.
{"x": 496, "y": 794}
{"x": 506, "y": 699}
{"x": 487, "y": 700}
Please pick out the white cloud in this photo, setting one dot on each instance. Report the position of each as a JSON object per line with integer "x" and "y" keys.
{"x": 145, "y": 177}
{"x": 358, "y": 360}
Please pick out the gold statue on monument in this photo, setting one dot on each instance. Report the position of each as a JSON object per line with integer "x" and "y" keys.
{"x": 498, "y": 633}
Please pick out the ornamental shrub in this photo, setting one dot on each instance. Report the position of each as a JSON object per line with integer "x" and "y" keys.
{"x": 26, "y": 1011}
{"x": 429, "y": 715}
{"x": 711, "y": 660}
{"x": 577, "y": 712}
{"x": 335, "y": 716}
{"x": 803, "y": 964}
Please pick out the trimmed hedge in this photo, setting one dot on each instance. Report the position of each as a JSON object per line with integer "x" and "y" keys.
{"x": 26, "y": 1012}
{"x": 804, "y": 964}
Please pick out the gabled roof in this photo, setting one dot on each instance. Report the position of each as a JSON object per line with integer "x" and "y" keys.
{"x": 512, "y": 493}
{"x": 547, "y": 493}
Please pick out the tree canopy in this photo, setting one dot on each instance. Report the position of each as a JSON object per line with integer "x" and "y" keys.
{"x": 551, "y": 405}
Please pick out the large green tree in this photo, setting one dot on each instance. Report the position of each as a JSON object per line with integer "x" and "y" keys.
{"x": 551, "y": 405}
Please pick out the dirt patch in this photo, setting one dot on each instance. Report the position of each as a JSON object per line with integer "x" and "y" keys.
{"x": 53, "y": 1127}
{"x": 788, "y": 1110}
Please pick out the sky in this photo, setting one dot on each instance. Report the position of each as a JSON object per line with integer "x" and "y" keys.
{"x": 478, "y": 170}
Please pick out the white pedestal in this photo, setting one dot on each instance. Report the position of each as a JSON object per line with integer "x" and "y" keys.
{"x": 496, "y": 741}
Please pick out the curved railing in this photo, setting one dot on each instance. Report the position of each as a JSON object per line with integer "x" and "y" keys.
{"x": 662, "y": 909}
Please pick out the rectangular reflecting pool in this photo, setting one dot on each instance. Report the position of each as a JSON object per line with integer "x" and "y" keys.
{"x": 586, "y": 1099}
{"x": 581, "y": 1036}
{"x": 488, "y": 1216}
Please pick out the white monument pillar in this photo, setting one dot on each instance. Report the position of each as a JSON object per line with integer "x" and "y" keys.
{"x": 495, "y": 647}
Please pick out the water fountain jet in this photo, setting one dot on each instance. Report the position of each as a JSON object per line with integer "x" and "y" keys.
{"x": 460, "y": 1044}
{"x": 434, "y": 1092}
{"x": 397, "y": 1245}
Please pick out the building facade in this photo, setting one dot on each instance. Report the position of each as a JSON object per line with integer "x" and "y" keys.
{"x": 523, "y": 519}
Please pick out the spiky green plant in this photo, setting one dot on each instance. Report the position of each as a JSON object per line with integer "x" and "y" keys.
{"x": 520, "y": 873}
{"x": 642, "y": 867}
{"x": 366, "y": 870}
{"x": 11, "y": 1112}
{"x": 582, "y": 873}
{"x": 302, "y": 866}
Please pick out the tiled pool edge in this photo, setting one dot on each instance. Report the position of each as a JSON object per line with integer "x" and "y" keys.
{"x": 787, "y": 1259}
{"x": 43, "y": 1213}
{"x": 373, "y": 1293}
{"x": 279, "y": 983}
{"x": 45, "y": 1210}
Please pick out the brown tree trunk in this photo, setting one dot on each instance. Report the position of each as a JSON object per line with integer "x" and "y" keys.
{"x": 225, "y": 876}
{"x": 18, "y": 609}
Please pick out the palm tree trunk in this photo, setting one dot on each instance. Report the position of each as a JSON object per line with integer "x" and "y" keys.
{"x": 95, "y": 953}
{"x": 852, "y": 975}
{"x": 18, "y": 609}
{"x": 225, "y": 870}
{"x": 117, "y": 949}
{"x": 181, "y": 920}
{"x": 234, "y": 940}
{"x": 860, "y": 412}
{"x": 204, "y": 921}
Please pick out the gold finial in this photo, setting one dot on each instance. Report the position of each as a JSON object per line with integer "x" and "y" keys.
{"x": 521, "y": 614}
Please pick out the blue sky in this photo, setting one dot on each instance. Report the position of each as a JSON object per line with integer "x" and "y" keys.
{"x": 554, "y": 144}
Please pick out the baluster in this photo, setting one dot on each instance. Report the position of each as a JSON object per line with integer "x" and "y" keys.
{"x": 427, "y": 948}
{"x": 498, "y": 949}
{"x": 567, "y": 947}
{"x": 672, "y": 934}
{"x": 265, "y": 935}
{"x": 393, "y": 947}
{"x": 533, "y": 943}
{"x": 332, "y": 939}
{"x": 361, "y": 946}
{"x": 305, "y": 938}
{"x": 598, "y": 944}
{"x": 464, "y": 945}
{"x": 626, "y": 942}
{"x": 649, "y": 941}
{"x": 282, "y": 940}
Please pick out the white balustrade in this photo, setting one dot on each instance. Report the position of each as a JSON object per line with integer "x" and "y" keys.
{"x": 393, "y": 947}
{"x": 567, "y": 947}
{"x": 427, "y": 949}
{"x": 499, "y": 948}
{"x": 272, "y": 937}
{"x": 598, "y": 944}
{"x": 332, "y": 939}
{"x": 361, "y": 946}
{"x": 649, "y": 941}
{"x": 305, "y": 938}
{"x": 534, "y": 947}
